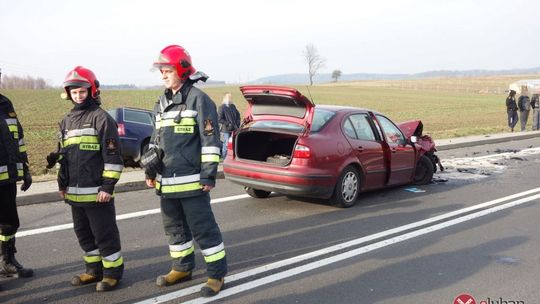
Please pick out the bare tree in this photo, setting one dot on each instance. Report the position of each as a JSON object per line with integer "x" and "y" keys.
{"x": 336, "y": 74}
{"x": 314, "y": 61}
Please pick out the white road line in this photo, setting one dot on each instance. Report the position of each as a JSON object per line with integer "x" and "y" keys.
{"x": 119, "y": 217}
{"x": 318, "y": 253}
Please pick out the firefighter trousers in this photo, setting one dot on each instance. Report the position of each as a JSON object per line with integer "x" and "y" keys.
{"x": 99, "y": 237}
{"x": 9, "y": 218}
{"x": 188, "y": 218}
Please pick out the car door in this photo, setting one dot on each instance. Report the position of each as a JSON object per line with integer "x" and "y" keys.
{"x": 400, "y": 154}
{"x": 359, "y": 131}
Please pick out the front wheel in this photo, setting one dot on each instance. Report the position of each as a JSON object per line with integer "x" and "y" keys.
{"x": 257, "y": 193}
{"x": 424, "y": 171}
{"x": 347, "y": 188}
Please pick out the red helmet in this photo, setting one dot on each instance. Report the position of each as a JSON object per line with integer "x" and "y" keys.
{"x": 177, "y": 57}
{"x": 82, "y": 77}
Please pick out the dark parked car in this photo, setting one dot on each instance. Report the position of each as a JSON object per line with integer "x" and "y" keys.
{"x": 288, "y": 145}
{"x": 135, "y": 127}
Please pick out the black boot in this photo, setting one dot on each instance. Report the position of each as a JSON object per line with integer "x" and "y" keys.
{"x": 9, "y": 267}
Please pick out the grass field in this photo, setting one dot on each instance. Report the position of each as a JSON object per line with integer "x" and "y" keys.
{"x": 448, "y": 107}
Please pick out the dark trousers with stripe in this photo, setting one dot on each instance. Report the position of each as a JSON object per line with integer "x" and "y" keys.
{"x": 188, "y": 218}
{"x": 9, "y": 218}
{"x": 96, "y": 228}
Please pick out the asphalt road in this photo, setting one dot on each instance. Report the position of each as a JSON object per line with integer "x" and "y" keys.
{"x": 473, "y": 232}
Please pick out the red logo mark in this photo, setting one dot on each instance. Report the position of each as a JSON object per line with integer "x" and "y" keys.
{"x": 464, "y": 299}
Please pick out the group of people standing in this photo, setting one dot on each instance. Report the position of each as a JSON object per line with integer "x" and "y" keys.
{"x": 519, "y": 110}
{"x": 181, "y": 165}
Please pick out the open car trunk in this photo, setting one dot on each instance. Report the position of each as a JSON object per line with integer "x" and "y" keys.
{"x": 263, "y": 146}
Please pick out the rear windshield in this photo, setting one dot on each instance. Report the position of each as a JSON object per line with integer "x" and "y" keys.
{"x": 138, "y": 116}
{"x": 320, "y": 119}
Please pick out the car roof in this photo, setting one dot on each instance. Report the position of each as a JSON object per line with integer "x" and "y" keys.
{"x": 343, "y": 108}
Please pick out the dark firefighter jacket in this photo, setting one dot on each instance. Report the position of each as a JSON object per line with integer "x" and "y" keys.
{"x": 188, "y": 134}
{"x": 13, "y": 156}
{"x": 92, "y": 159}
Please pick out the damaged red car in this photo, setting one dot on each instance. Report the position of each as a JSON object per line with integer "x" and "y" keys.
{"x": 288, "y": 145}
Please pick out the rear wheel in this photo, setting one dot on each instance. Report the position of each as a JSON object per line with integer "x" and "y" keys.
{"x": 424, "y": 171}
{"x": 347, "y": 188}
{"x": 257, "y": 193}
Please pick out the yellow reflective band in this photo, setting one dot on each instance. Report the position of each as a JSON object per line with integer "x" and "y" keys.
{"x": 5, "y": 238}
{"x": 183, "y": 122}
{"x": 15, "y": 135}
{"x": 108, "y": 264}
{"x": 20, "y": 173}
{"x": 92, "y": 258}
{"x": 4, "y": 176}
{"x": 89, "y": 147}
{"x": 13, "y": 128}
{"x": 111, "y": 174}
{"x": 81, "y": 198}
{"x": 22, "y": 148}
{"x": 87, "y": 139}
{"x": 183, "y": 253}
{"x": 183, "y": 129}
{"x": 215, "y": 257}
{"x": 158, "y": 185}
{"x": 208, "y": 158}
{"x": 180, "y": 188}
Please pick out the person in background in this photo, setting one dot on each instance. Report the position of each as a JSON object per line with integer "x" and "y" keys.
{"x": 90, "y": 166}
{"x": 524, "y": 105}
{"x": 229, "y": 121}
{"x": 535, "y": 105}
{"x": 182, "y": 166}
{"x": 511, "y": 110}
{"x": 13, "y": 168}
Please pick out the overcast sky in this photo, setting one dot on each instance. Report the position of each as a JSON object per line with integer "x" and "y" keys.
{"x": 239, "y": 41}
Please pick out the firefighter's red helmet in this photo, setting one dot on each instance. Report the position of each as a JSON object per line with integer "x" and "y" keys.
{"x": 177, "y": 57}
{"x": 82, "y": 77}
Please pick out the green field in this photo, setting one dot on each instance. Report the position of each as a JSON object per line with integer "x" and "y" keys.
{"x": 449, "y": 107}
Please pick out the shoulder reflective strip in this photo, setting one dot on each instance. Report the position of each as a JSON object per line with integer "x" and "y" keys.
{"x": 116, "y": 263}
{"x": 90, "y": 139}
{"x": 11, "y": 121}
{"x": 169, "y": 115}
{"x": 189, "y": 113}
{"x": 181, "y": 247}
{"x": 3, "y": 169}
{"x": 183, "y": 253}
{"x": 13, "y": 128}
{"x": 113, "y": 257}
{"x": 5, "y": 238}
{"x": 92, "y": 258}
{"x": 81, "y": 132}
{"x": 209, "y": 158}
{"x": 82, "y": 190}
{"x": 180, "y": 179}
{"x": 113, "y": 167}
{"x": 111, "y": 174}
{"x": 93, "y": 252}
{"x": 215, "y": 257}
{"x": 181, "y": 188}
{"x": 88, "y": 198}
{"x": 211, "y": 150}
{"x": 4, "y": 176}
{"x": 213, "y": 250}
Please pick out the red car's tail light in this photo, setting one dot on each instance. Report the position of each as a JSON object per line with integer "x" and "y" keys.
{"x": 301, "y": 151}
{"x": 229, "y": 143}
{"x": 121, "y": 130}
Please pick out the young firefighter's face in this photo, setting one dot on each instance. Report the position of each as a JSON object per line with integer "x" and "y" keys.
{"x": 79, "y": 95}
{"x": 170, "y": 78}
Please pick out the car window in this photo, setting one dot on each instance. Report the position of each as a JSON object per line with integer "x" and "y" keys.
{"x": 138, "y": 116}
{"x": 348, "y": 129}
{"x": 277, "y": 125}
{"x": 320, "y": 118}
{"x": 391, "y": 132}
{"x": 362, "y": 127}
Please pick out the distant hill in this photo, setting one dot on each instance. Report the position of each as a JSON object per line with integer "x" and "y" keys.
{"x": 327, "y": 77}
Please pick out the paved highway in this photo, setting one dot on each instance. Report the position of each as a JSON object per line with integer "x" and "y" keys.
{"x": 473, "y": 233}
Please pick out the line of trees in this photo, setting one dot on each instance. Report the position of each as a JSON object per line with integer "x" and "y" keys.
{"x": 31, "y": 83}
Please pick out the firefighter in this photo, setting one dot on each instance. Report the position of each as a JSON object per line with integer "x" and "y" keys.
{"x": 90, "y": 165}
{"x": 182, "y": 166}
{"x": 13, "y": 168}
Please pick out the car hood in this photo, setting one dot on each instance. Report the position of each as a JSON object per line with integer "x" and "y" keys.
{"x": 275, "y": 101}
{"x": 412, "y": 127}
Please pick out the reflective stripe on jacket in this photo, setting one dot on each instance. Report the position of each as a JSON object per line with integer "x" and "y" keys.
{"x": 93, "y": 159}
{"x": 188, "y": 134}
{"x": 12, "y": 145}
